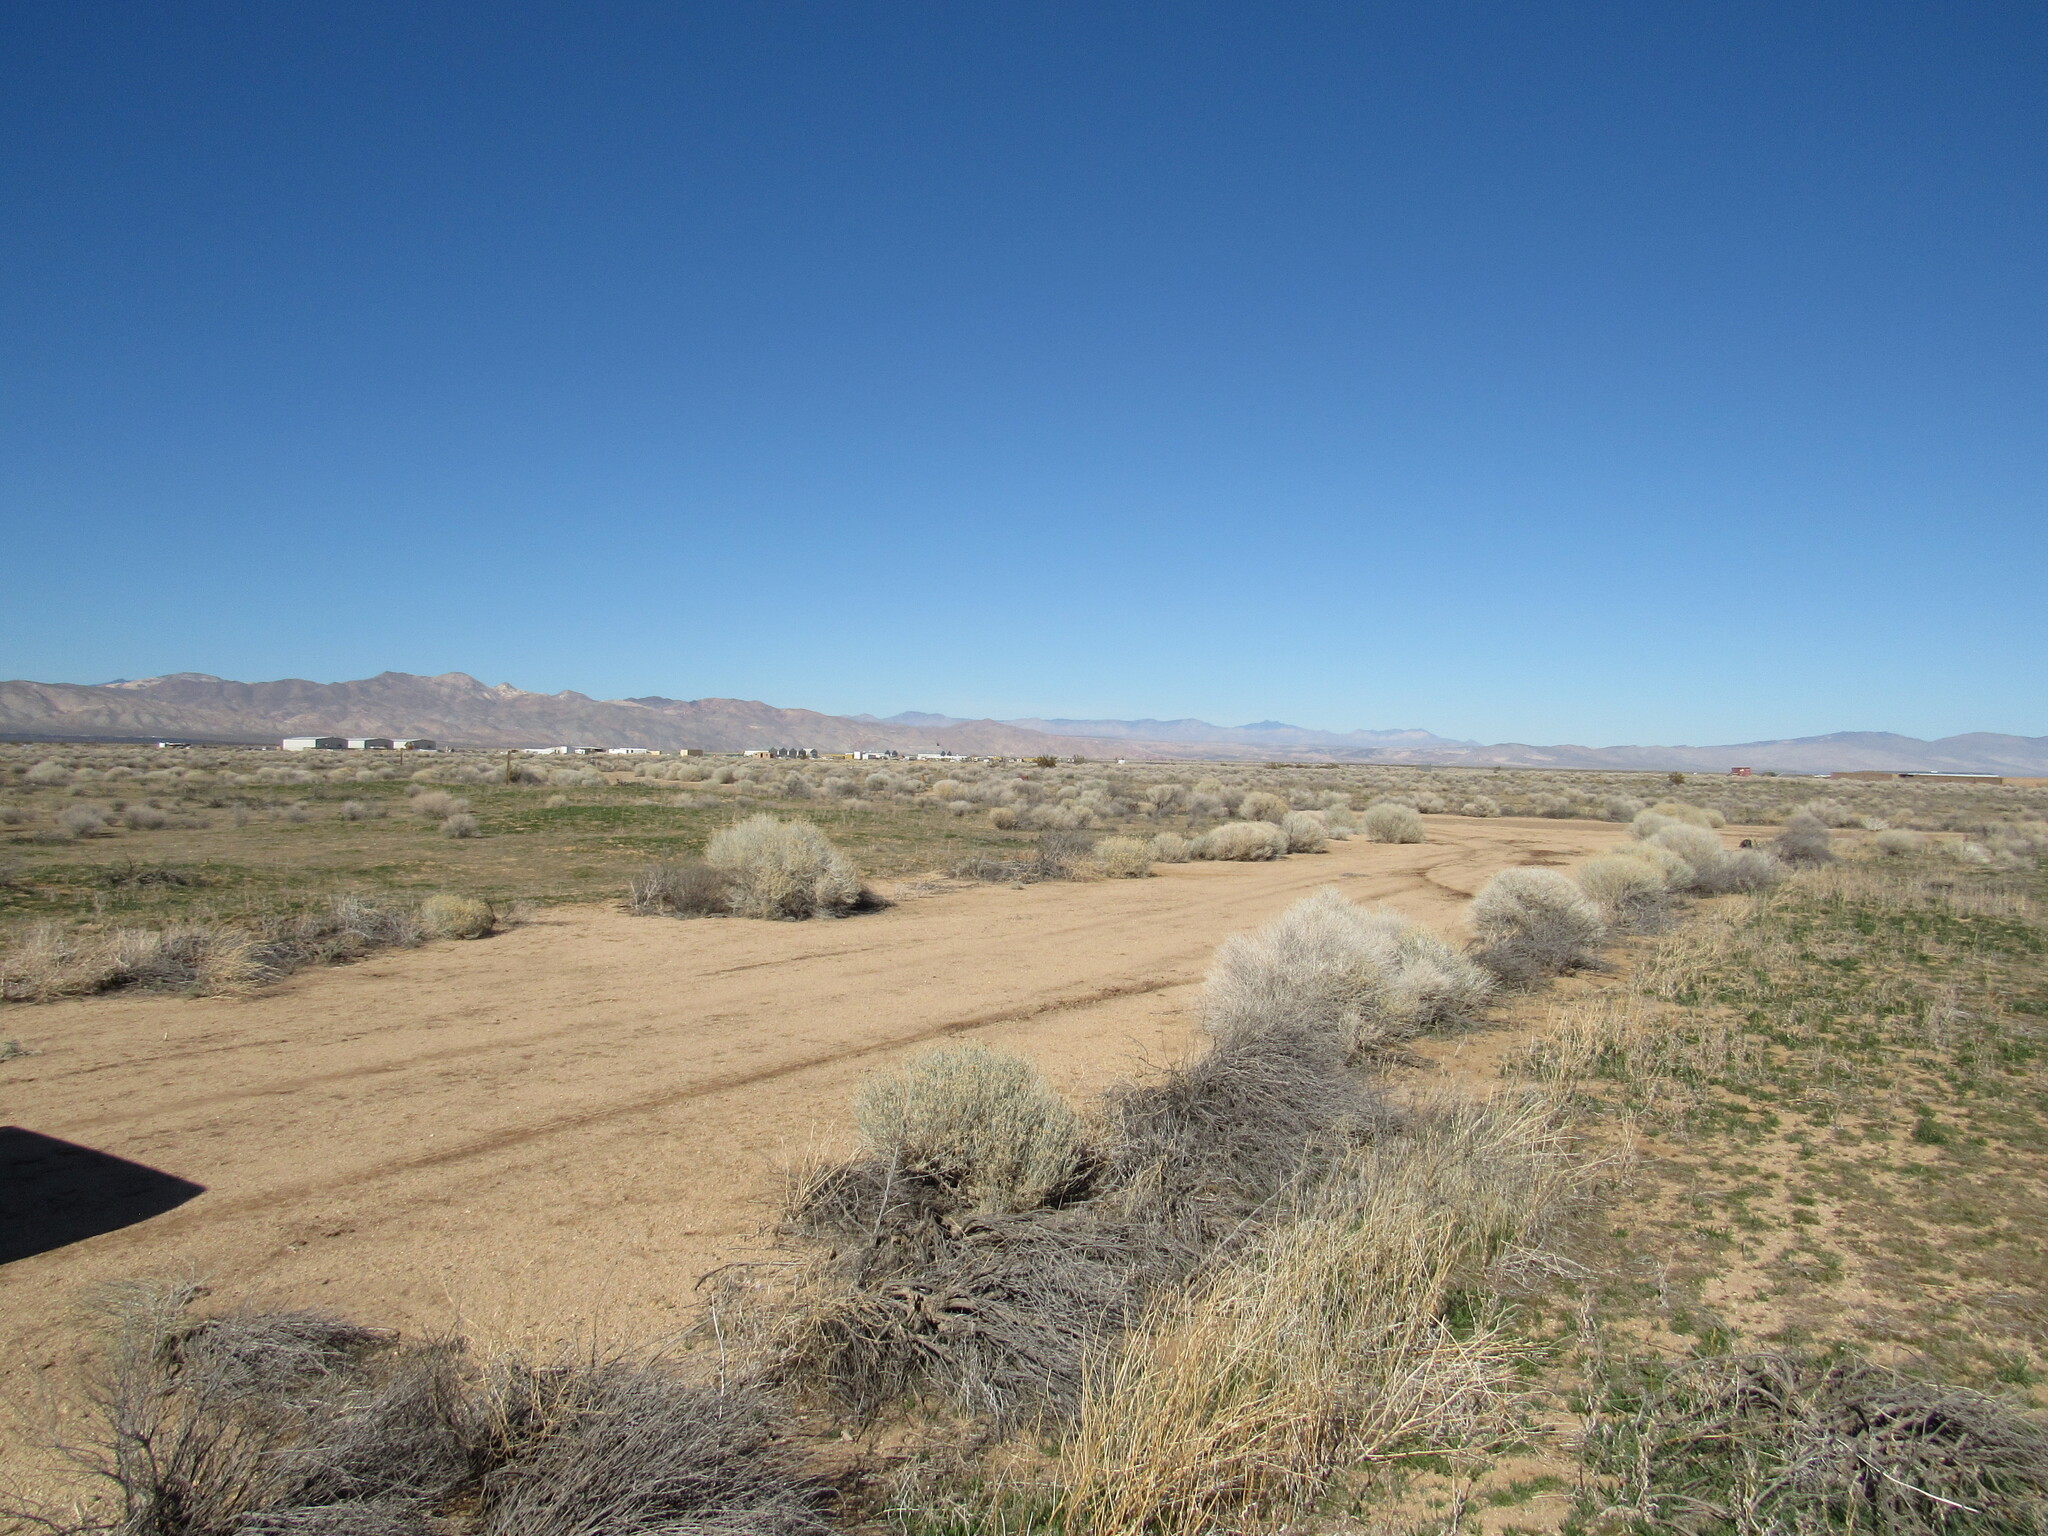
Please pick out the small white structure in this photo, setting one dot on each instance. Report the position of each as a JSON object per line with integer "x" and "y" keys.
{"x": 315, "y": 743}
{"x": 757, "y": 752}
{"x": 632, "y": 752}
{"x": 369, "y": 743}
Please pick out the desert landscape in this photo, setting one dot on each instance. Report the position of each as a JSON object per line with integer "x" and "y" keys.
{"x": 1089, "y": 769}
{"x": 500, "y": 1048}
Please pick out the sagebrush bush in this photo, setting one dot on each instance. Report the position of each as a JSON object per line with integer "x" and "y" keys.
{"x": 1170, "y": 848}
{"x": 1631, "y": 893}
{"x": 783, "y": 869}
{"x": 1832, "y": 813}
{"x": 1330, "y": 967}
{"x": 1805, "y": 841}
{"x": 1003, "y": 818}
{"x": 1305, "y": 831}
{"x": 1694, "y": 844}
{"x": 1391, "y": 823}
{"x": 438, "y": 802}
{"x": 1124, "y": 858}
{"x": 981, "y": 1122}
{"x": 461, "y": 824}
{"x": 457, "y": 917}
{"x": 1533, "y": 923}
{"x": 82, "y": 820}
{"x": 1897, "y": 842}
{"x": 1242, "y": 841}
{"x": 1261, "y": 806}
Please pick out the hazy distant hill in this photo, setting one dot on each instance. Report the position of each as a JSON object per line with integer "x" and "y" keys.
{"x": 1263, "y": 733}
{"x": 457, "y": 710}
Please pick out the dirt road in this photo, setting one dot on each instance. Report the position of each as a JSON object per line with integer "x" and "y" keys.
{"x": 570, "y": 1122}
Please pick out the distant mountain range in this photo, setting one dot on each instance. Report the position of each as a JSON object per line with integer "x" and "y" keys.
{"x": 457, "y": 710}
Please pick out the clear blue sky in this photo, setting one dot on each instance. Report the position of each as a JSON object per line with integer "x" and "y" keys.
{"x": 1548, "y": 371}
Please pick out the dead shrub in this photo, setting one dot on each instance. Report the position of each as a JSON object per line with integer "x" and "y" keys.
{"x": 437, "y": 803}
{"x": 262, "y": 1424}
{"x": 1807, "y": 1443}
{"x": 47, "y": 962}
{"x": 1064, "y": 853}
{"x": 460, "y": 826}
{"x": 685, "y": 888}
{"x": 631, "y": 1446}
{"x": 1195, "y": 1152}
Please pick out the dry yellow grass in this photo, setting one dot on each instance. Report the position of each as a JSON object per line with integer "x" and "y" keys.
{"x": 1325, "y": 1341}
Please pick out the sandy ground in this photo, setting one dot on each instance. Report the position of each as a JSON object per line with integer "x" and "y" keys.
{"x": 569, "y": 1123}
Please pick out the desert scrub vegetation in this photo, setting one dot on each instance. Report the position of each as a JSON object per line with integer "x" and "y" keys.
{"x": 1209, "y": 1289}
{"x": 1533, "y": 923}
{"x": 783, "y": 869}
{"x": 1124, "y": 858}
{"x": 1392, "y": 823}
{"x": 48, "y": 961}
{"x": 1818, "y": 1304}
{"x": 762, "y": 867}
{"x": 200, "y": 1424}
{"x": 1362, "y": 977}
{"x": 246, "y": 835}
